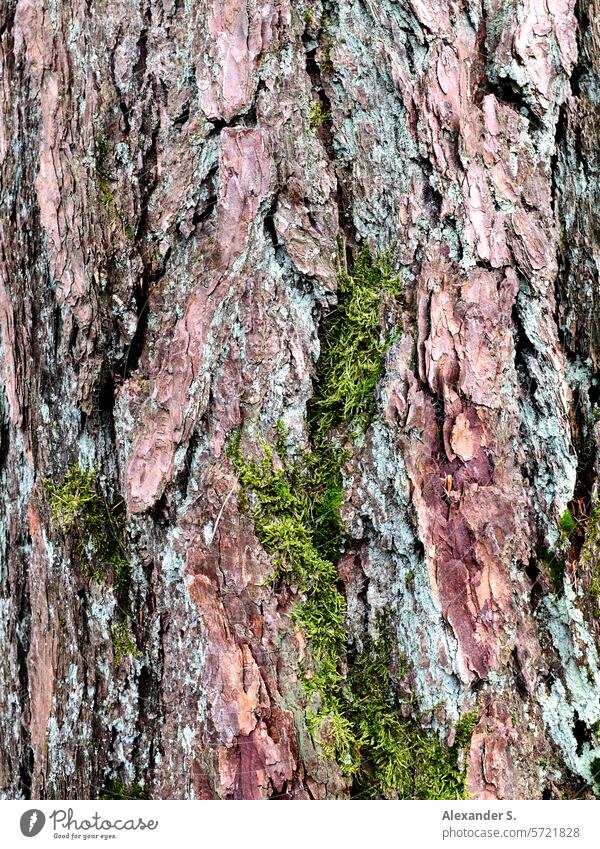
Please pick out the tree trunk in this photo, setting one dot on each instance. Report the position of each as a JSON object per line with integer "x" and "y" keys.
{"x": 187, "y": 191}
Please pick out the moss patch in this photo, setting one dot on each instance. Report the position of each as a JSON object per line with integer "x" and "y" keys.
{"x": 294, "y": 506}
{"x": 595, "y": 772}
{"x": 397, "y": 758}
{"x": 124, "y": 644}
{"x": 351, "y": 361}
{"x": 567, "y": 523}
{"x": 106, "y": 195}
{"x": 116, "y": 790}
{"x": 80, "y": 510}
{"x": 317, "y": 114}
{"x": 590, "y": 555}
{"x": 555, "y": 564}
{"x": 352, "y": 710}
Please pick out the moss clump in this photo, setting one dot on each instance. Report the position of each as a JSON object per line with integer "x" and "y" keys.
{"x": 124, "y": 644}
{"x": 590, "y": 555}
{"x": 396, "y": 757}
{"x": 308, "y": 18}
{"x": 116, "y": 790}
{"x": 567, "y": 523}
{"x": 106, "y": 196}
{"x": 326, "y": 62}
{"x": 555, "y": 565}
{"x": 351, "y": 361}
{"x": 595, "y": 774}
{"x": 317, "y": 114}
{"x": 79, "y": 509}
{"x": 555, "y": 560}
{"x": 352, "y": 711}
{"x": 295, "y": 506}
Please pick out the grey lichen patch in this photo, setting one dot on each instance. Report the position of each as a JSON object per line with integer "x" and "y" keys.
{"x": 575, "y": 695}
{"x": 544, "y": 410}
{"x": 65, "y": 723}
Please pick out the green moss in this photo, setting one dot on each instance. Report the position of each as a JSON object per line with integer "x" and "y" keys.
{"x": 352, "y": 711}
{"x": 115, "y": 789}
{"x": 595, "y": 771}
{"x": 317, "y": 114}
{"x": 106, "y": 196}
{"x": 555, "y": 564}
{"x": 351, "y": 361}
{"x": 308, "y": 18}
{"x": 397, "y": 758}
{"x": 567, "y": 523}
{"x": 326, "y": 63}
{"x": 294, "y": 505}
{"x": 590, "y": 555}
{"x": 124, "y": 644}
{"x": 80, "y": 510}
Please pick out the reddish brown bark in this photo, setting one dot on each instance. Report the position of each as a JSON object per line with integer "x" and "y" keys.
{"x": 171, "y": 203}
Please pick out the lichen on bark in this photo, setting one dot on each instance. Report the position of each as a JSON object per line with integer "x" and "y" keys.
{"x": 175, "y": 182}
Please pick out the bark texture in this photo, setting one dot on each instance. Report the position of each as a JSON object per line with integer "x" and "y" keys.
{"x": 174, "y": 179}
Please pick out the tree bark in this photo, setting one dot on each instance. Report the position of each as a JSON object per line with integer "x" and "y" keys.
{"x": 176, "y": 179}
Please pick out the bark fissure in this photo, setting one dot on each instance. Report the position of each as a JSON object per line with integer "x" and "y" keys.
{"x": 180, "y": 183}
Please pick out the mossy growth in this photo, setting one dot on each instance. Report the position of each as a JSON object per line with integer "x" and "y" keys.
{"x": 595, "y": 773}
{"x": 308, "y": 18}
{"x": 124, "y": 644}
{"x": 295, "y": 505}
{"x": 106, "y": 195}
{"x": 116, "y": 790}
{"x": 317, "y": 114}
{"x": 351, "y": 360}
{"x": 554, "y": 560}
{"x": 567, "y": 523}
{"x": 590, "y": 555}
{"x": 80, "y": 510}
{"x": 326, "y": 63}
{"x": 352, "y": 711}
{"x": 555, "y": 563}
{"x": 397, "y": 758}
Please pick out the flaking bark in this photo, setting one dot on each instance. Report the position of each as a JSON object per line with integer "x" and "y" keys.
{"x": 179, "y": 185}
